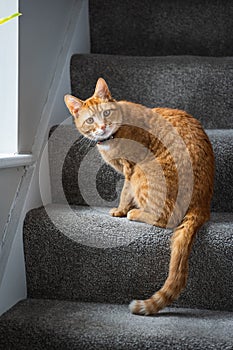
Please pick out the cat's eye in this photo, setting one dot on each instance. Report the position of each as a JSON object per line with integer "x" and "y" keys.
{"x": 90, "y": 120}
{"x": 106, "y": 113}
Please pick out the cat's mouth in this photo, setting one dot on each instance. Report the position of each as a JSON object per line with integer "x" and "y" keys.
{"x": 104, "y": 136}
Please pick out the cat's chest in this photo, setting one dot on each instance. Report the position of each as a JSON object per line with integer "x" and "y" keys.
{"x": 110, "y": 154}
{"x": 104, "y": 147}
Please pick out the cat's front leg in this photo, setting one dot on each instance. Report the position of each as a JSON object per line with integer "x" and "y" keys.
{"x": 126, "y": 201}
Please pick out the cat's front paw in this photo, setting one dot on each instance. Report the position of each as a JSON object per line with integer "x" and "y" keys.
{"x": 117, "y": 212}
{"x": 133, "y": 214}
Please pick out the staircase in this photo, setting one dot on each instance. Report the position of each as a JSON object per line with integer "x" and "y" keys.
{"x": 83, "y": 267}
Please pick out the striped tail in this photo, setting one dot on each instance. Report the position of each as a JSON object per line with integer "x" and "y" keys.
{"x": 181, "y": 245}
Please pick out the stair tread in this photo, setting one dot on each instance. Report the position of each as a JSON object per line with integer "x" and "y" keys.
{"x": 52, "y": 324}
{"x": 82, "y": 253}
{"x": 83, "y": 223}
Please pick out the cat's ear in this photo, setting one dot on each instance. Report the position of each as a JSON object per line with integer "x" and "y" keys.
{"x": 73, "y": 104}
{"x": 102, "y": 90}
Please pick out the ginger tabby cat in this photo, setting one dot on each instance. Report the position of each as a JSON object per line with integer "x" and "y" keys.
{"x": 168, "y": 165}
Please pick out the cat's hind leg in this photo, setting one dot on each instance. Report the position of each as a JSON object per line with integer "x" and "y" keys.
{"x": 141, "y": 215}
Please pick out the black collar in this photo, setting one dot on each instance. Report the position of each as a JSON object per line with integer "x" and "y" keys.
{"x": 102, "y": 141}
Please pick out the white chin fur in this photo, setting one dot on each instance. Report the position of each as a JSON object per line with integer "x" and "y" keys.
{"x": 102, "y": 136}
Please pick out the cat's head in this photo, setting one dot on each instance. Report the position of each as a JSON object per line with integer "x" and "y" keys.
{"x": 98, "y": 117}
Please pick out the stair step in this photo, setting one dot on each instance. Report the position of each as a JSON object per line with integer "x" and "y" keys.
{"x": 100, "y": 185}
{"x": 200, "y": 85}
{"x": 222, "y": 142}
{"x": 162, "y": 27}
{"x": 51, "y": 325}
{"x": 82, "y": 253}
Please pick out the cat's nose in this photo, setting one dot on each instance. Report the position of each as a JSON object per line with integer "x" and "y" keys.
{"x": 102, "y": 127}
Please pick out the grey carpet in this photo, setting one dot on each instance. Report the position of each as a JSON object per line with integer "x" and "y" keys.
{"x": 200, "y": 85}
{"x": 52, "y": 325}
{"x": 82, "y": 253}
{"x": 100, "y": 185}
{"x": 162, "y": 27}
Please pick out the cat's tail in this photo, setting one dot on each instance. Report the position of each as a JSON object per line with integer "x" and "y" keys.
{"x": 181, "y": 244}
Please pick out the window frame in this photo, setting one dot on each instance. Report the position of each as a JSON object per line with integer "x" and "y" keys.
{"x": 9, "y": 61}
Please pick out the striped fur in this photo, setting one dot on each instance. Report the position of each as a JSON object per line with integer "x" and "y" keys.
{"x": 168, "y": 164}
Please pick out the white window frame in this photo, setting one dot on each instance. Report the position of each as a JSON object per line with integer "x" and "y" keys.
{"x": 9, "y": 76}
{"x": 9, "y": 79}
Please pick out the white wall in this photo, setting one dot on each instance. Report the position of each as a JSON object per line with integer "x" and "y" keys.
{"x": 50, "y": 31}
{"x": 42, "y": 28}
{"x": 13, "y": 286}
{"x": 9, "y": 181}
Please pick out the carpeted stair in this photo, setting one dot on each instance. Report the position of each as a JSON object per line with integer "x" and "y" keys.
{"x": 38, "y": 324}
{"x": 82, "y": 265}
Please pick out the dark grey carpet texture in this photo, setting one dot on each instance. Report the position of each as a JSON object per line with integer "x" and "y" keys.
{"x": 200, "y": 85}
{"x": 40, "y": 324}
{"x": 82, "y": 253}
{"x": 162, "y": 27}
{"x": 82, "y": 265}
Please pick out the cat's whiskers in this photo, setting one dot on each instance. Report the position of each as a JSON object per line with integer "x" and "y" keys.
{"x": 84, "y": 142}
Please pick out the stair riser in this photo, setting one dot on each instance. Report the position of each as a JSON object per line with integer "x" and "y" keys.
{"x": 200, "y": 85}
{"x": 162, "y": 28}
{"x": 66, "y": 156}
